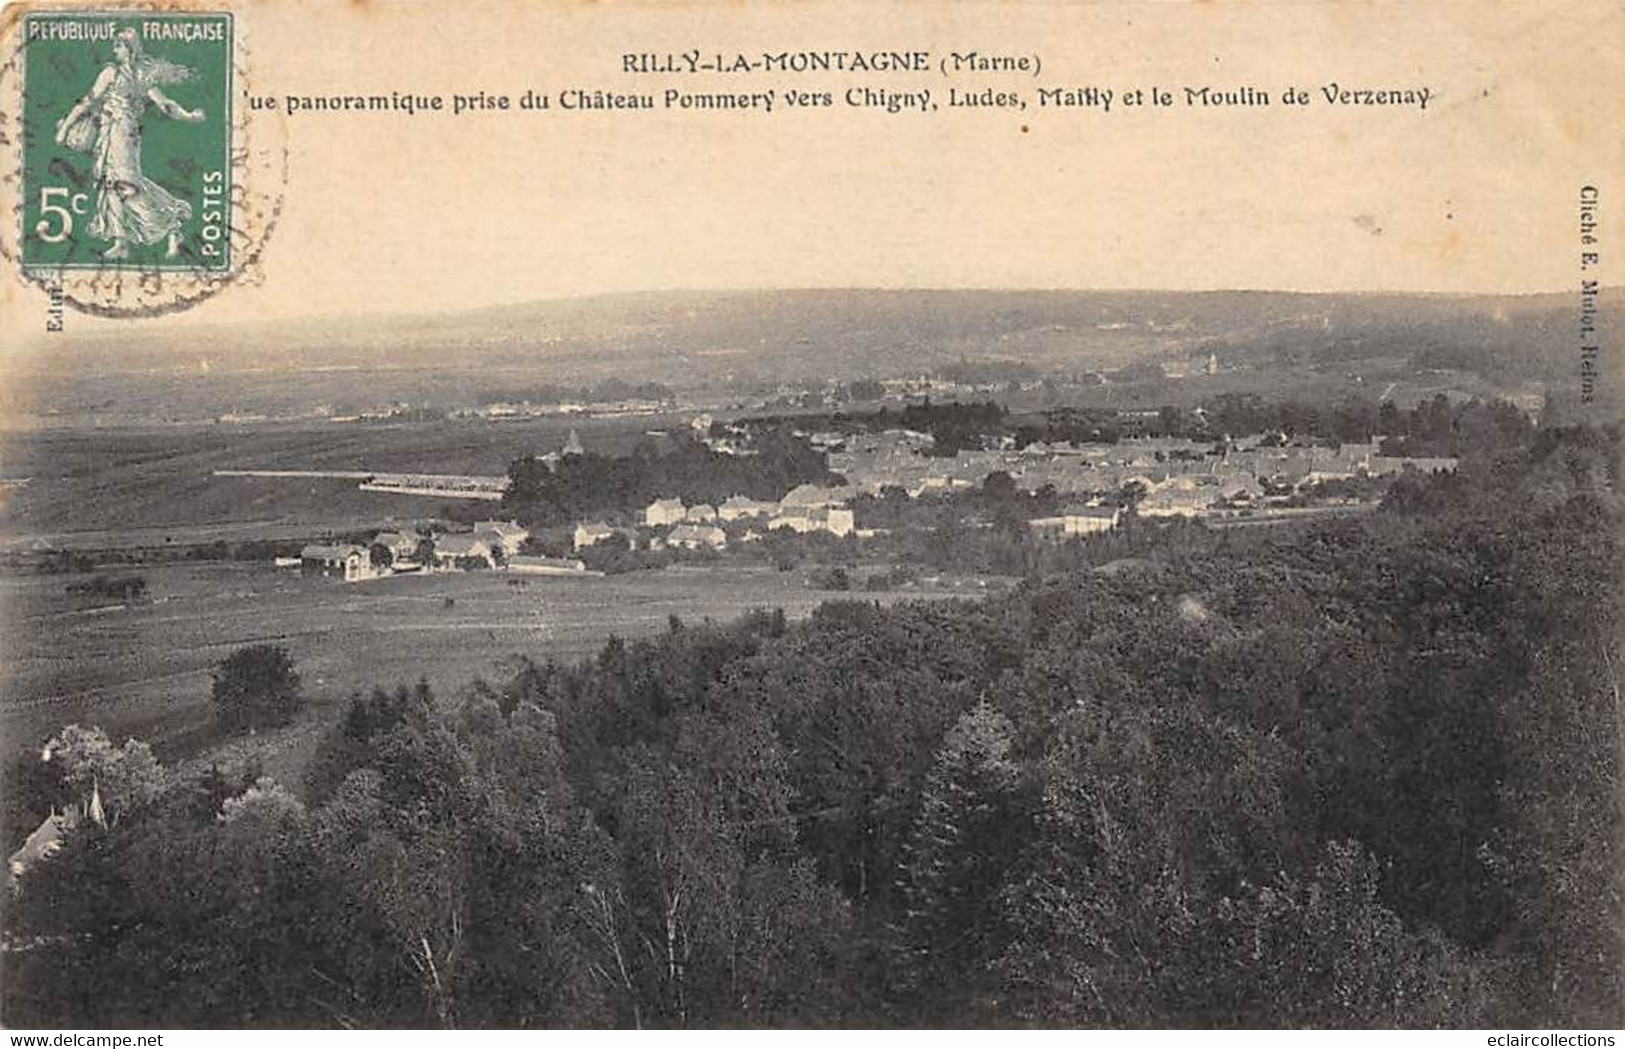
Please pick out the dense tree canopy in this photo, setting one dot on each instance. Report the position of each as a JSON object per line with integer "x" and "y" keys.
{"x": 580, "y": 487}
{"x": 256, "y": 687}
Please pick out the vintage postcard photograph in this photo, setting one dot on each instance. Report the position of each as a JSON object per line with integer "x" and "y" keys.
{"x": 755, "y": 515}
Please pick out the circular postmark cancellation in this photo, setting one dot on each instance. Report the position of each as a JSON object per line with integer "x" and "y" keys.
{"x": 136, "y": 184}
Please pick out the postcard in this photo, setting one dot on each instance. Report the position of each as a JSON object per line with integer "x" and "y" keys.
{"x": 889, "y": 515}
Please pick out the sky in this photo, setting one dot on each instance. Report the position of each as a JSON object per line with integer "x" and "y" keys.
{"x": 396, "y": 214}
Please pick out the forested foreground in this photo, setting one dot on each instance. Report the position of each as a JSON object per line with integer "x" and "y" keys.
{"x": 1365, "y": 774}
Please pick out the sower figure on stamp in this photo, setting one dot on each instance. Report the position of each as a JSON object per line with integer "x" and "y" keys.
{"x": 130, "y": 208}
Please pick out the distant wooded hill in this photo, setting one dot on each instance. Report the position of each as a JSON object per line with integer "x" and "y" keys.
{"x": 695, "y": 340}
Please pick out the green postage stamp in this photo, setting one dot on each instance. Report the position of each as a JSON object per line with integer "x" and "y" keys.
{"x": 127, "y": 141}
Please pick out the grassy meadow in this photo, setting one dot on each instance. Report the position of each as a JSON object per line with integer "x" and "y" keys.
{"x": 152, "y": 486}
{"x": 144, "y": 669}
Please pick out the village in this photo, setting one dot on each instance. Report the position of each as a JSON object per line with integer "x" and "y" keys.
{"x": 506, "y": 545}
{"x": 1171, "y": 476}
{"x": 1229, "y": 480}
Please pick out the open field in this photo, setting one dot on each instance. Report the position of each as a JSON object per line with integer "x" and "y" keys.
{"x": 150, "y": 486}
{"x": 145, "y": 669}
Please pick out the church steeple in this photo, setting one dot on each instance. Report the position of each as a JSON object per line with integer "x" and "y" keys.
{"x": 95, "y": 811}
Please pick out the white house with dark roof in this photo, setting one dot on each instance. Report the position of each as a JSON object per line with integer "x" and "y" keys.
{"x": 1076, "y": 520}
{"x": 1083, "y": 520}
{"x": 402, "y": 546}
{"x": 42, "y": 844}
{"x": 450, "y": 549}
{"x": 591, "y": 533}
{"x": 1173, "y": 502}
{"x": 664, "y": 512}
{"x": 509, "y": 535}
{"x": 807, "y": 495}
{"x": 836, "y": 520}
{"x": 348, "y": 562}
{"x": 736, "y": 507}
{"x": 696, "y": 536}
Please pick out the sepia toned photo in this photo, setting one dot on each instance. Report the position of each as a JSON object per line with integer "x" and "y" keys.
{"x": 543, "y": 515}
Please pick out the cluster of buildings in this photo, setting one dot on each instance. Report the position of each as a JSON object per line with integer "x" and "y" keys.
{"x": 1076, "y": 520}
{"x": 601, "y": 408}
{"x": 491, "y": 544}
{"x": 1175, "y": 476}
{"x": 1179, "y": 476}
{"x": 733, "y": 440}
{"x": 669, "y": 523}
